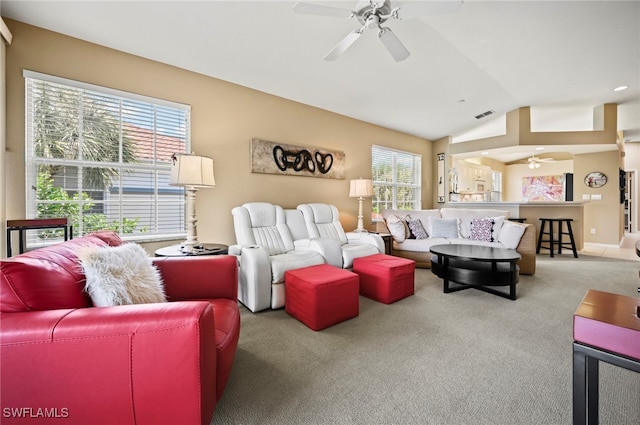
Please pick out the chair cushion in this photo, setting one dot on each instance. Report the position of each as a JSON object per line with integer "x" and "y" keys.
{"x": 262, "y": 224}
{"x": 323, "y": 221}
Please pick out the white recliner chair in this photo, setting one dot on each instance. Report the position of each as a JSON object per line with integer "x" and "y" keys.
{"x": 265, "y": 251}
{"x": 323, "y": 222}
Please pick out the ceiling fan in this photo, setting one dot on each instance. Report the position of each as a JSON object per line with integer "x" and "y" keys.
{"x": 372, "y": 14}
{"x": 535, "y": 161}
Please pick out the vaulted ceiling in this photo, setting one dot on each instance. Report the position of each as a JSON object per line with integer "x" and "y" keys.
{"x": 490, "y": 55}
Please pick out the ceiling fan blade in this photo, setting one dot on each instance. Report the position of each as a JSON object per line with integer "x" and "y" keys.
{"x": 393, "y": 44}
{"x": 316, "y": 9}
{"x": 417, "y": 9}
{"x": 343, "y": 45}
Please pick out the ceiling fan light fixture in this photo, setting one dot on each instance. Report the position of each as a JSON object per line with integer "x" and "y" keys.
{"x": 534, "y": 165}
{"x": 372, "y": 14}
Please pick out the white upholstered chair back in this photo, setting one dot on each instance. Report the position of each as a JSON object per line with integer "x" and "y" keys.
{"x": 262, "y": 224}
{"x": 323, "y": 221}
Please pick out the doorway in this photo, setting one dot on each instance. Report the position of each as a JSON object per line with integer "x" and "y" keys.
{"x": 631, "y": 201}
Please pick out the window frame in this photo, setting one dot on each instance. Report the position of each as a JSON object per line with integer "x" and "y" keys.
{"x": 416, "y": 186}
{"x": 155, "y": 169}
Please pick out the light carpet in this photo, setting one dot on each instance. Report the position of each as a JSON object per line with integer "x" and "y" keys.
{"x": 462, "y": 358}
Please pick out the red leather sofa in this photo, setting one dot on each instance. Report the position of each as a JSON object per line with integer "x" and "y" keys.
{"x": 63, "y": 359}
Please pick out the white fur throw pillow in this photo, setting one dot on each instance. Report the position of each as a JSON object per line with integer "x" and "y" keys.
{"x": 120, "y": 275}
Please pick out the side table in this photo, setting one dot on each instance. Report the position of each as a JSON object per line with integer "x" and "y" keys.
{"x": 386, "y": 238}
{"x": 605, "y": 328}
{"x": 21, "y": 226}
{"x": 207, "y": 249}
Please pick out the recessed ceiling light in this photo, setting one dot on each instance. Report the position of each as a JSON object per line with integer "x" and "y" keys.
{"x": 539, "y": 149}
{"x": 620, "y": 88}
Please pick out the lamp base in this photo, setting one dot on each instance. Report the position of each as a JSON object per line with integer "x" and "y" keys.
{"x": 357, "y": 230}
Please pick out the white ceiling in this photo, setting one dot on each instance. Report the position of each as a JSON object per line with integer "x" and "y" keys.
{"x": 498, "y": 55}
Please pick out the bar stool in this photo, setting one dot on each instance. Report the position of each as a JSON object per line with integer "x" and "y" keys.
{"x": 551, "y": 240}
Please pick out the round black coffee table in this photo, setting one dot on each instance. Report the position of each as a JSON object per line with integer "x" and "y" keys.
{"x": 479, "y": 267}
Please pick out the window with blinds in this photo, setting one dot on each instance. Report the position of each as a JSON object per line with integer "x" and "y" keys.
{"x": 102, "y": 158}
{"x": 397, "y": 177}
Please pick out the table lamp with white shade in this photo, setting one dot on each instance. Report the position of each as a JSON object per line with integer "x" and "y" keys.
{"x": 193, "y": 172}
{"x": 361, "y": 188}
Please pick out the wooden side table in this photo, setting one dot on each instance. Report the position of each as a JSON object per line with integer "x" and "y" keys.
{"x": 208, "y": 249}
{"x": 21, "y": 226}
{"x": 386, "y": 238}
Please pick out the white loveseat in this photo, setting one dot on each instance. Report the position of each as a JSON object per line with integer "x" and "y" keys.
{"x": 457, "y": 226}
{"x": 271, "y": 240}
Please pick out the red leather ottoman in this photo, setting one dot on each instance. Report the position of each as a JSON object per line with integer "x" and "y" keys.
{"x": 321, "y": 296}
{"x": 385, "y": 278}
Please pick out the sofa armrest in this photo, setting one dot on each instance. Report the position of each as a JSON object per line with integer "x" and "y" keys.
{"x": 381, "y": 227}
{"x": 202, "y": 277}
{"x": 254, "y": 277}
{"x": 330, "y": 249}
{"x": 363, "y": 238}
{"x": 527, "y": 249}
{"x": 69, "y": 360}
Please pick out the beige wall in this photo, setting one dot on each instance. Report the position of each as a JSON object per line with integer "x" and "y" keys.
{"x": 224, "y": 119}
{"x": 605, "y": 215}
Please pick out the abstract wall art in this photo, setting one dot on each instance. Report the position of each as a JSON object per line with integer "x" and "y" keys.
{"x": 543, "y": 188}
{"x": 279, "y": 158}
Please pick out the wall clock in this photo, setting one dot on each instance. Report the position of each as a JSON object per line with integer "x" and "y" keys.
{"x": 595, "y": 179}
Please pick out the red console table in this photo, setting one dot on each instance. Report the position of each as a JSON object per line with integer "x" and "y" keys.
{"x": 21, "y": 226}
{"x": 606, "y": 327}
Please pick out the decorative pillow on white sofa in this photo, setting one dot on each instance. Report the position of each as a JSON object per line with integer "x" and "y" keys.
{"x": 467, "y": 214}
{"x": 486, "y": 229}
{"x": 120, "y": 275}
{"x": 416, "y": 227}
{"x": 482, "y": 229}
{"x": 443, "y": 227}
{"x": 398, "y": 228}
{"x": 511, "y": 234}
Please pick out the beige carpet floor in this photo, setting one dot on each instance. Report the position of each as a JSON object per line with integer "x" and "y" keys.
{"x": 462, "y": 358}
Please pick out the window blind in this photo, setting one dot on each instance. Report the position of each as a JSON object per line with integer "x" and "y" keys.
{"x": 397, "y": 177}
{"x": 102, "y": 158}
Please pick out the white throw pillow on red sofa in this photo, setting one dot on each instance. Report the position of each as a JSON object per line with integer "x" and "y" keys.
{"x": 120, "y": 275}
